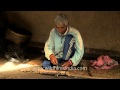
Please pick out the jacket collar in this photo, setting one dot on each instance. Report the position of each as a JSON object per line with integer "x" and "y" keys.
{"x": 66, "y": 31}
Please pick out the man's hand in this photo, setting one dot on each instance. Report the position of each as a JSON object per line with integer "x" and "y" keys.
{"x": 67, "y": 64}
{"x": 53, "y": 59}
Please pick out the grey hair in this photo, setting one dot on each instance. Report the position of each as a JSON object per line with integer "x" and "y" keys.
{"x": 61, "y": 19}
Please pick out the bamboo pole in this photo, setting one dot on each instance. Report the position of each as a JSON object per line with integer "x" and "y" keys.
{"x": 38, "y": 69}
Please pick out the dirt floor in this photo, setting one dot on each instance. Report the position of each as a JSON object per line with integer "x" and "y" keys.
{"x": 10, "y": 71}
{"x": 26, "y": 73}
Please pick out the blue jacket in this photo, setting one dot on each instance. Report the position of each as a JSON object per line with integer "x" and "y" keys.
{"x": 55, "y": 44}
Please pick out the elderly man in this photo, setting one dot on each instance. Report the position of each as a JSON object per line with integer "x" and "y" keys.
{"x": 64, "y": 44}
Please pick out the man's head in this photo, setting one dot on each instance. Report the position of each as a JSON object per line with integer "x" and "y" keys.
{"x": 61, "y": 23}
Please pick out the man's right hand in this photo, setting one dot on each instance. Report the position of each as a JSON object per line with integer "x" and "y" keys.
{"x": 53, "y": 59}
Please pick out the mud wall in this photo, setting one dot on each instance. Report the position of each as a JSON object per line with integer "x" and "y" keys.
{"x": 99, "y": 29}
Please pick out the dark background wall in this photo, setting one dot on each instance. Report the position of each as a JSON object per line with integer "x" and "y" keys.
{"x": 99, "y": 29}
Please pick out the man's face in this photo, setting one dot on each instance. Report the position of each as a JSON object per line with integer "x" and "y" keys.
{"x": 61, "y": 28}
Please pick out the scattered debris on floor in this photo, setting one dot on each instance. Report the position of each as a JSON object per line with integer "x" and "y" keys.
{"x": 34, "y": 71}
{"x": 112, "y": 73}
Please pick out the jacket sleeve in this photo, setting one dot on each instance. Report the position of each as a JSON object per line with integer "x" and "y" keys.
{"x": 49, "y": 45}
{"x": 79, "y": 49}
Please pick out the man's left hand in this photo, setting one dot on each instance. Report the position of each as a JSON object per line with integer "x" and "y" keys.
{"x": 66, "y": 64}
